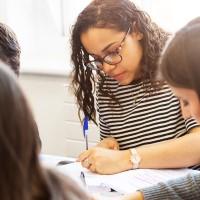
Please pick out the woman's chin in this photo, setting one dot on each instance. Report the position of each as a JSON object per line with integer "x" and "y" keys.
{"x": 124, "y": 82}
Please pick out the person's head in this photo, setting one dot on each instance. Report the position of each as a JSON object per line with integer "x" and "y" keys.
{"x": 118, "y": 40}
{"x": 9, "y": 48}
{"x": 22, "y": 176}
{"x": 180, "y": 67}
{"x": 18, "y": 138}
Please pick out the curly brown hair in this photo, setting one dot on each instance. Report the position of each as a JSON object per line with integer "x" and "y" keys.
{"x": 118, "y": 15}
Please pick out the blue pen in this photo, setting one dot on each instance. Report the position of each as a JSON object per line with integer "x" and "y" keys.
{"x": 85, "y": 131}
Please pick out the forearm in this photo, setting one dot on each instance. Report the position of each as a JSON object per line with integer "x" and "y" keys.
{"x": 175, "y": 153}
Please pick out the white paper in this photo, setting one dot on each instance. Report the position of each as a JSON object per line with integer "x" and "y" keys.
{"x": 133, "y": 180}
{"x": 74, "y": 170}
{"x": 52, "y": 161}
{"x": 125, "y": 182}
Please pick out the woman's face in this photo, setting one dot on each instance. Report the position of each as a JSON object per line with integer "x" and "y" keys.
{"x": 99, "y": 42}
{"x": 190, "y": 103}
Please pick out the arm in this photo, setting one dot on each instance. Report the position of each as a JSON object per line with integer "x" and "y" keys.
{"x": 175, "y": 153}
{"x": 183, "y": 188}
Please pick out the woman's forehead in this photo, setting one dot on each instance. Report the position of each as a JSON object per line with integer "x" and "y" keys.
{"x": 95, "y": 40}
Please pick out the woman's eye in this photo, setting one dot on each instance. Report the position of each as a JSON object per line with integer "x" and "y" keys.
{"x": 115, "y": 51}
{"x": 118, "y": 49}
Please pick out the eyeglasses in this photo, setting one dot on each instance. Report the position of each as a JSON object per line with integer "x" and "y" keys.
{"x": 112, "y": 58}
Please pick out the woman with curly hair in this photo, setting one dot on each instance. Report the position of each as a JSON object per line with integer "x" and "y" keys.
{"x": 115, "y": 49}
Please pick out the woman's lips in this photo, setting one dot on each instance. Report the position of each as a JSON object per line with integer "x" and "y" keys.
{"x": 119, "y": 76}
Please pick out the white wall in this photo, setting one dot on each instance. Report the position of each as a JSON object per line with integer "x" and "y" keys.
{"x": 56, "y": 114}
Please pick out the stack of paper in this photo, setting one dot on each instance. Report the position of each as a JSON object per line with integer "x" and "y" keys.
{"x": 125, "y": 182}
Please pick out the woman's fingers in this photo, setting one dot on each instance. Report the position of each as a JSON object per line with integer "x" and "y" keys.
{"x": 92, "y": 167}
{"x": 85, "y": 163}
{"x": 85, "y": 158}
{"x": 84, "y": 155}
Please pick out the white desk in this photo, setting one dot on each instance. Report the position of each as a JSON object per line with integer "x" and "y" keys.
{"x": 52, "y": 161}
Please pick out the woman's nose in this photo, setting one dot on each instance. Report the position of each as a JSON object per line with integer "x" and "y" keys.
{"x": 107, "y": 68}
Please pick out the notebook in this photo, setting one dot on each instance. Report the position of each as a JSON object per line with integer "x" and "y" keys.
{"x": 124, "y": 182}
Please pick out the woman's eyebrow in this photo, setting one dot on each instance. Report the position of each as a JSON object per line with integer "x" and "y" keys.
{"x": 108, "y": 46}
{"x": 104, "y": 49}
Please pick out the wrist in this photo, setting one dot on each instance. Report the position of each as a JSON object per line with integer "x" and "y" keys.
{"x": 134, "y": 158}
{"x": 126, "y": 160}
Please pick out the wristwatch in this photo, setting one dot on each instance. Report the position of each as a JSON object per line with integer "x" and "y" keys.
{"x": 135, "y": 158}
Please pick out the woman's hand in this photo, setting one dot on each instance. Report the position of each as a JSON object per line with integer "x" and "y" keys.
{"x": 105, "y": 161}
{"x": 134, "y": 196}
{"x": 109, "y": 143}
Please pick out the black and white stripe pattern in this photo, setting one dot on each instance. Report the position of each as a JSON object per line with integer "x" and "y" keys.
{"x": 139, "y": 118}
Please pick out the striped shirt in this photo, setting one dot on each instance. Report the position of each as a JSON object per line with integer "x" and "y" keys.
{"x": 139, "y": 118}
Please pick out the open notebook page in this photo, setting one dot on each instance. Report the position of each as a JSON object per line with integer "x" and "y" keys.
{"x": 124, "y": 182}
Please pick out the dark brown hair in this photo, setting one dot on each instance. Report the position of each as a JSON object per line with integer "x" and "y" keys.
{"x": 180, "y": 62}
{"x": 118, "y": 15}
{"x": 9, "y": 48}
{"x": 22, "y": 177}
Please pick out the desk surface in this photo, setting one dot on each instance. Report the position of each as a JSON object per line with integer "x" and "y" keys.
{"x": 52, "y": 161}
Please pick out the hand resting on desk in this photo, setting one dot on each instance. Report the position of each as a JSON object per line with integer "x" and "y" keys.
{"x": 105, "y": 161}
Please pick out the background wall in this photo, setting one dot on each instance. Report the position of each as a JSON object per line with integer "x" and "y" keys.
{"x": 56, "y": 114}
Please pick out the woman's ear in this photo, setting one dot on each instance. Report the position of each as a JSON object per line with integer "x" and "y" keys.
{"x": 137, "y": 35}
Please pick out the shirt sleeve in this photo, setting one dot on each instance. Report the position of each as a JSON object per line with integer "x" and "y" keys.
{"x": 187, "y": 188}
{"x": 191, "y": 123}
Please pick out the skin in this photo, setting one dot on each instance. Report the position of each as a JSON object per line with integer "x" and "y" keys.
{"x": 190, "y": 107}
{"x": 101, "y": 41}
{"x": 134, "y": 196}
{"x": 105, "y": 158}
